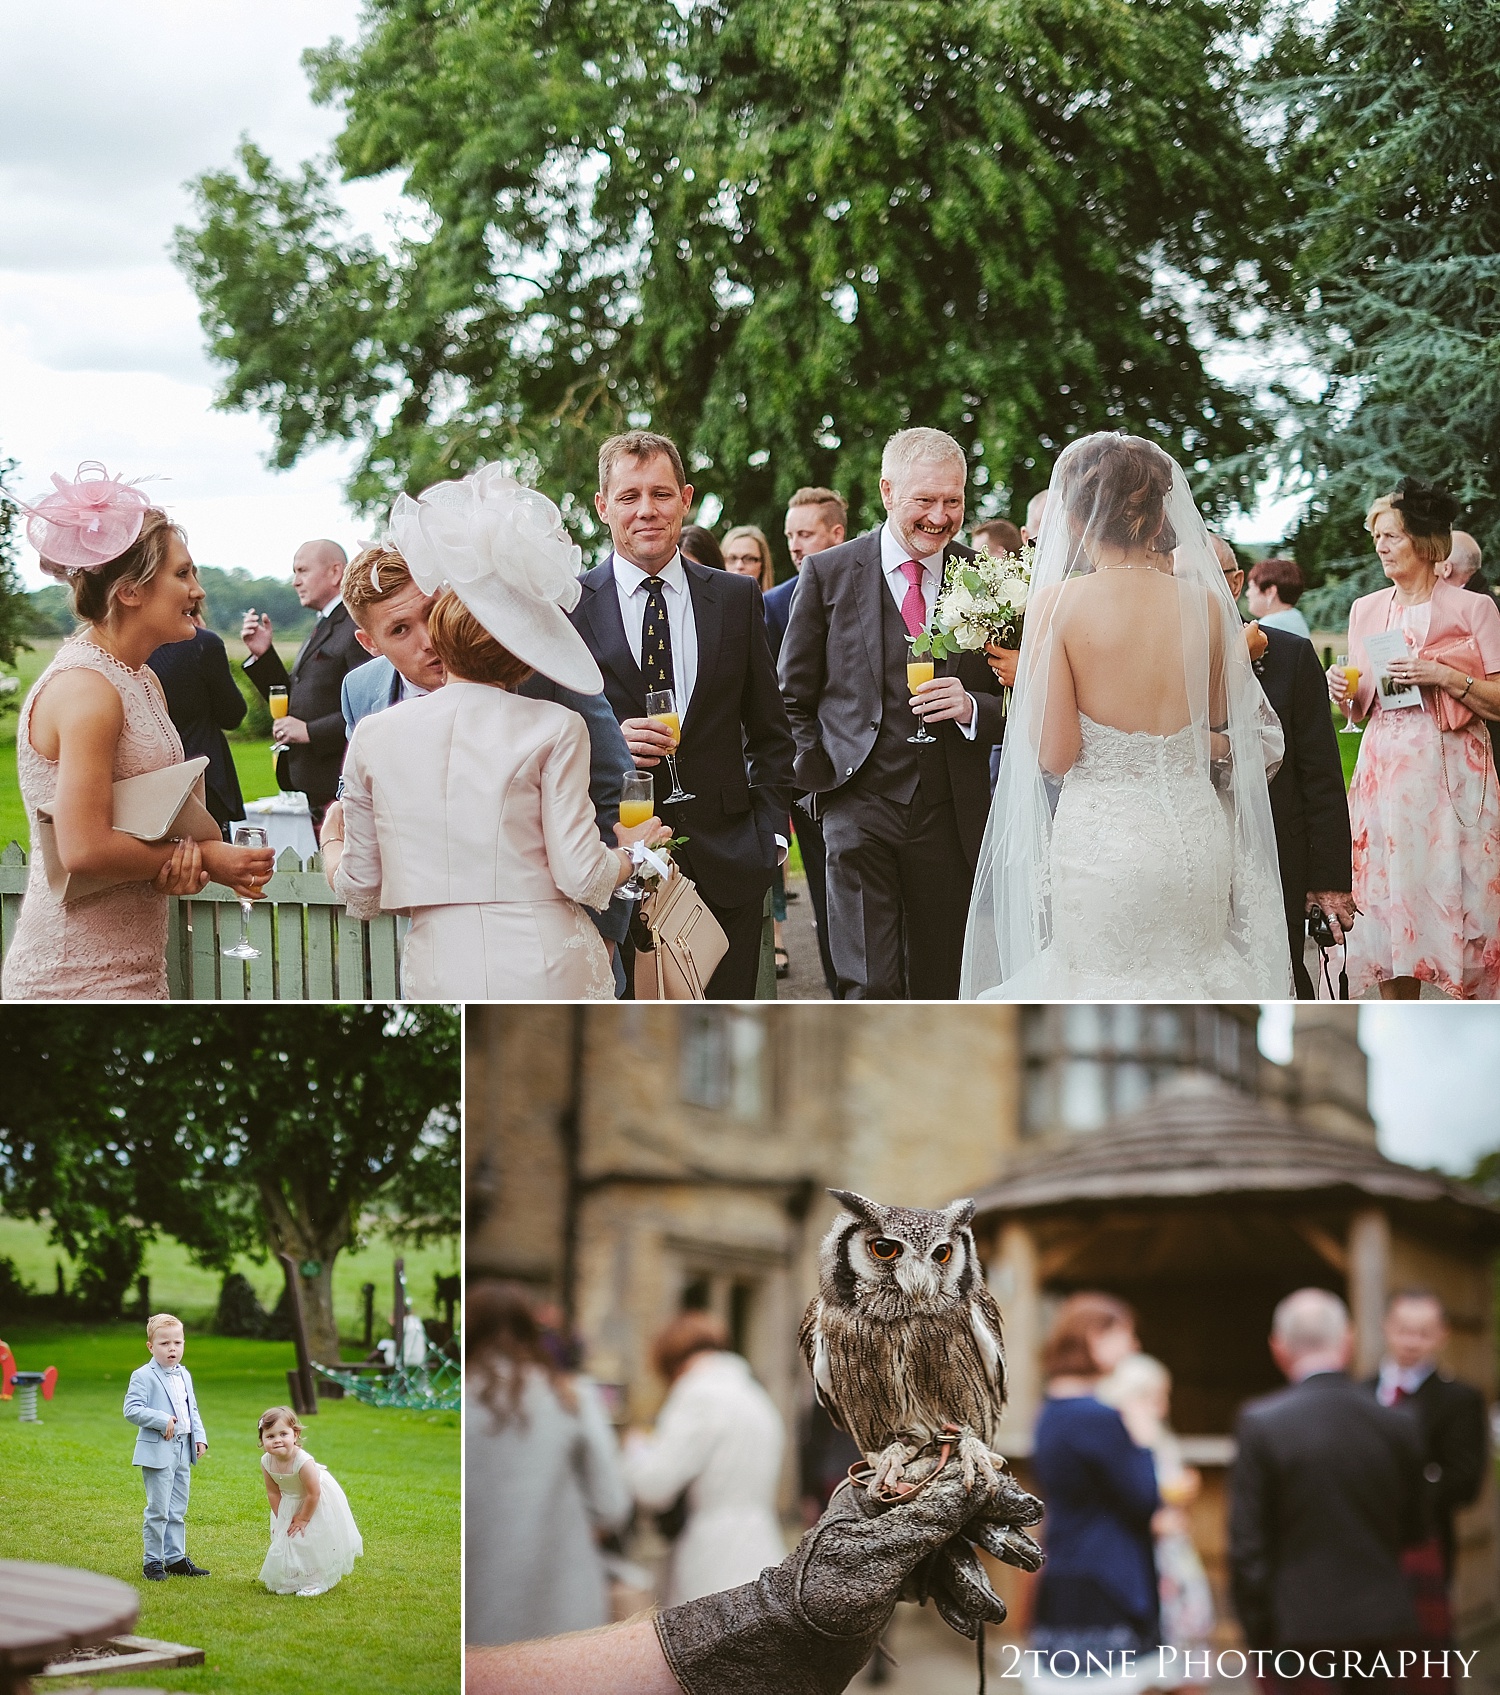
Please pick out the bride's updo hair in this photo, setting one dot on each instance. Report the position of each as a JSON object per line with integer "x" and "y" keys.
{"x": 1114, "y": 490}
{"x": 94, "y": 591}
{"x": 467, "y": 649}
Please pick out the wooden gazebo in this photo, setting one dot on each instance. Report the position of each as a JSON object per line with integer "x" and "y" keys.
{"x": 1202, "y": 1209}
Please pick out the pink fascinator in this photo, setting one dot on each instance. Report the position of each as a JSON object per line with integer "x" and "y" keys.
{"x": 86, "y": 523}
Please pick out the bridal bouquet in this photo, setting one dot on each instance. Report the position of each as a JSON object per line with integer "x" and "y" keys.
{"x": 982, "y": 603}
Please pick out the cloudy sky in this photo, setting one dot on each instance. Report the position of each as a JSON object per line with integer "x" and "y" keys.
{"x": 106, "y": 111}
{"x": 1434, "y": 1077}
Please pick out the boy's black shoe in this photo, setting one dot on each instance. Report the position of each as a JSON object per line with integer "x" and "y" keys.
{"x": 185, "y": 1568}
{"x": 153, "y": 1570}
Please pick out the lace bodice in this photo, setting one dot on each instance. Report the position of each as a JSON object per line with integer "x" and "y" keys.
{"x": 111, "y": 945}
{"x": 1120, "y": 756}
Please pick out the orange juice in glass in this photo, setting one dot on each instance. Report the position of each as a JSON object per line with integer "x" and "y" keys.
{"x": 661, "y": 707}
{"x": 919, "y": 671}
{"x": 1351, "y": 677}
{"x": 277, "y": 700}
{"x": 634, "y": 812}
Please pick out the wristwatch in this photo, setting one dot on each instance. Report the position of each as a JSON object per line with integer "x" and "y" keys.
{"x": 1468, "y": 684}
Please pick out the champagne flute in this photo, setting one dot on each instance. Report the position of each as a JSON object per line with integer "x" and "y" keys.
{"x": 661, "y": 704}
{"x": 637, "y": 803}
{"x": 919, "y": 671}
{"x": 1351, "y": 676}
{"x": 251, "y": 836}
{"x": 280, "y": 704}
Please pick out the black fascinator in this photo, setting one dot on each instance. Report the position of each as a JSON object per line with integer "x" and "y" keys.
{"x": 1426, "y": 509}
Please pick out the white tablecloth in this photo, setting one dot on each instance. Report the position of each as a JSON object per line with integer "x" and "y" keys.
{"x": 286, "y": 820}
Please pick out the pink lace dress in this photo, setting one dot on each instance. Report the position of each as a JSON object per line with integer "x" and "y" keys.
{"x": 112, "y": 945}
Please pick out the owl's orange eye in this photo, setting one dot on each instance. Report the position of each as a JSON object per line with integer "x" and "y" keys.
{"x": 884, "y": 1248}
{"x": 943, "y": 1254}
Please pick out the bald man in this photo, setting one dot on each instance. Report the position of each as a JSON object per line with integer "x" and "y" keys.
{"x": 1464, "y": 568}
{"x": 312, "y": 733}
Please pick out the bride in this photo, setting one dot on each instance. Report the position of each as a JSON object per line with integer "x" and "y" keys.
{"x": 1130, "y": 852}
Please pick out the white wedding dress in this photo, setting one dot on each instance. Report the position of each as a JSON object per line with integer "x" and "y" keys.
{"x": 1150, "y": 871}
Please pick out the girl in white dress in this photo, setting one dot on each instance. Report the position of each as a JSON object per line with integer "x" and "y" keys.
{"x": 314, "y": 1539}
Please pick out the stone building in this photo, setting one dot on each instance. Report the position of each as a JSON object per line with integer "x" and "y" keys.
{"x": 631, "y": 1160}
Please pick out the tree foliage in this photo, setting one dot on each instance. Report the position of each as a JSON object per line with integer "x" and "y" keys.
{"x": 1392, "y": 160}
{"x": 15, "y": 621}
{"x": 777, "y": 229}
{"x": 238, "y": 1129}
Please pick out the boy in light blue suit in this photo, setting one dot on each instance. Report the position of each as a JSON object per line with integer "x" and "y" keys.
{"x": 160, "y": 1402}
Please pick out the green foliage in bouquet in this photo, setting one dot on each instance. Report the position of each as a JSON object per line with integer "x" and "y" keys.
{"x": 982, "y": 603}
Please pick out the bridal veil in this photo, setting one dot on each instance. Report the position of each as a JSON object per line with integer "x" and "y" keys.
{"x": 1174, "y": 735}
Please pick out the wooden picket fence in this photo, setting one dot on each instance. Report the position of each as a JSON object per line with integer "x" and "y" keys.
{"x": 310, "y": 948}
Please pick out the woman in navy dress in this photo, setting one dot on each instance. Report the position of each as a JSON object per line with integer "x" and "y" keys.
{"x": 1098, "y": 1590}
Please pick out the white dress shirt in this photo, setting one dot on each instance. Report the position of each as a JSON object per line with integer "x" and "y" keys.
{"x": 1407, "y": 1379}
{"x": 338, "y": 600}
{"x": 171, "y": 1375}
{"x": 892, "y": 557}
{"x": 630, "y": 586}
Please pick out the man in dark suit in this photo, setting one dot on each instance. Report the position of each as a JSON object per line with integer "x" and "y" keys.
{"x": 313, "y": 730}
{"x": 1464, "y": 568}
{"x": 816, "y": 519}
{"x": 204, "y": 701}
{"x": 902, "y": 823}
{"x": 1456, "y": 1444}
{"x": 654, "y": 620}
{"x": 1325, "y": 1493}
{"x": 1309, "y": 808}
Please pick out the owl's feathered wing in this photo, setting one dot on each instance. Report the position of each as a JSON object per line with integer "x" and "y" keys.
{"x": 884, "y": 1381}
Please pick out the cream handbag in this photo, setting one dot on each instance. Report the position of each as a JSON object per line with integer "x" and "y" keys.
{"x": 688, "y": 943}
{"x": 154, "y": 807}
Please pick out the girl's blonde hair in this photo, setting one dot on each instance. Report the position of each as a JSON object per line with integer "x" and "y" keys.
{"x": 276, "y": 1415}
{"x": 159, "y": 1321}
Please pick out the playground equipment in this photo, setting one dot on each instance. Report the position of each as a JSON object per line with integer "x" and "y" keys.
{"x": 432, "y": 1382}
{"x": 23, "y": 1385}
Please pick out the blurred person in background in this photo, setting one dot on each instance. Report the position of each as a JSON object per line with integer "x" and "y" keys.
{"x": 1325, "y": 1492}
{"x": 1098, "y": 1590}
{"x": 542, "y": 1480}
{"x": 1464, "y": 566}
{"x": 1272, "y": 594}
{"x": 712, "y": 1461}
{"x": 1140, "y": 1389}
{"x": 1456, "y": 1447}
{"x": 747, "y": 553}
{"x": 1036, "y": 511}
{"x": 203, "y": 701}
{"x": 699, "y": 545}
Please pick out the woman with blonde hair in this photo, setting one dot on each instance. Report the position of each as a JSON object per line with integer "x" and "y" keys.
{"x": 748, "y": 554}
{"x": 469, "y": 807}
{"x": 1424, "y": 803}
{"x": 96, "y": 716}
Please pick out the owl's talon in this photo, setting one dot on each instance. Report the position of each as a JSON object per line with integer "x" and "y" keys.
{"x": 890, "y": 1468}
{"x": 975, "y": 1459}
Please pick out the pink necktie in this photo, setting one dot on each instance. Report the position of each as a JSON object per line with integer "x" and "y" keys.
{"x": 914, "y": 606}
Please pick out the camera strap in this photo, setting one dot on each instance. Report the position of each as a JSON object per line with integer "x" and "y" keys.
{"x": 1343, "y": 993}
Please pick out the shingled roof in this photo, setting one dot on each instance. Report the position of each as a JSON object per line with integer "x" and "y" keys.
{"x": 1199, "y": 1138}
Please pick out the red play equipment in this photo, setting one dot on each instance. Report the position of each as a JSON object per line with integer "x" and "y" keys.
{"x": 27, "y": 1383}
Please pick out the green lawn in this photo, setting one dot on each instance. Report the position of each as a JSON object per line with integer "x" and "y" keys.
{"x": 177, "y": 1285}
{"x": 69, "y": 1496}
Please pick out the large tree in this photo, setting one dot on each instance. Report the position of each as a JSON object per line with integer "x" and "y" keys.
{"x": 778, "y": 229}
{"x": 1391, "y": 156}
{"x": 231, "y": 1129}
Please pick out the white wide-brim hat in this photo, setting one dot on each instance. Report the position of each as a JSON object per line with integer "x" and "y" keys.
{"x": 502, "y": 549}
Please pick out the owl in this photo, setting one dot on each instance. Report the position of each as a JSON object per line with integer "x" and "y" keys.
{"x": 903, "y": 1337}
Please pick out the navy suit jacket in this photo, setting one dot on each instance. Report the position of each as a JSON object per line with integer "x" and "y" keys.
{"x": 735, "y": 755}
{"x": 203, "y": 701}
{"x": 778, "y": 610}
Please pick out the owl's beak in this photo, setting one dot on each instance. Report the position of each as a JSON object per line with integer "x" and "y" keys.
{"x": 918, "y": 1278}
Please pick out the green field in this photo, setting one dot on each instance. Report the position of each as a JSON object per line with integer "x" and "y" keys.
{"x": 69, "y": 1496}
{"x": 177, "y": 1285}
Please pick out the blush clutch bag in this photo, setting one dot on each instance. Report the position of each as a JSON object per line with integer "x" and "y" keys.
{"x": 157, "y": 806}
{"x": 1451, "y": 713}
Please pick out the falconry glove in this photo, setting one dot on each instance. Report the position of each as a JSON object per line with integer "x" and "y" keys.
{"x": 806, "y": 1626}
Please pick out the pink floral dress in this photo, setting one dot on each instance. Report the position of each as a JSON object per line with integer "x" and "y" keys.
{"x": 112, "y": 945}
{"x": 1424, "y": 805}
